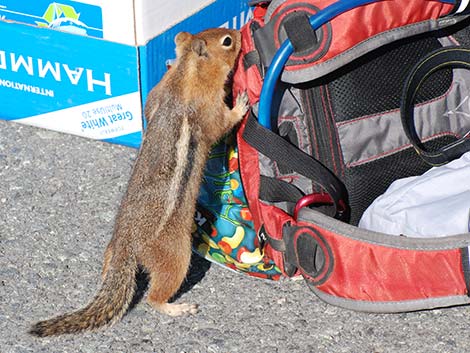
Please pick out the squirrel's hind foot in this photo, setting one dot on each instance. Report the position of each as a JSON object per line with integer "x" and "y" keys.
{"x": 175, "y": 309}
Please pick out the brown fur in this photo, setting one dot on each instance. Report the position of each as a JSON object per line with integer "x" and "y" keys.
{"x": 186, "y": 114}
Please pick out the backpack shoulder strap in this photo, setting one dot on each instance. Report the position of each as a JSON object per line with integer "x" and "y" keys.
{"x": 284, "y": 153}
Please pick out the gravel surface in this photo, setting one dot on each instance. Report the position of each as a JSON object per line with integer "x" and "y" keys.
{"x": 58, "y": 198}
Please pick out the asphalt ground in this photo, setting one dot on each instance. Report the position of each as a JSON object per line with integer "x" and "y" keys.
{"x": 59, "y": 195}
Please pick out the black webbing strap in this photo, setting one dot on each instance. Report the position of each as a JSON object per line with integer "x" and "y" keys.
{"x": 300, "y": 32}
{"x": 454, "y": 57}
{"x": 275, "y": 190}
{"x": 284, "y": 153}
{"x": 251, "y": 58}
{"x": 466, "y": 268}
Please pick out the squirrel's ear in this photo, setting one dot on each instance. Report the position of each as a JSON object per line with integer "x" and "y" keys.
{"x": 199, "y": 47}
{"x": 182, "y": 37}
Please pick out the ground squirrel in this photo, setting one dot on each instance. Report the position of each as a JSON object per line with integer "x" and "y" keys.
{"x": 186, "y": 114}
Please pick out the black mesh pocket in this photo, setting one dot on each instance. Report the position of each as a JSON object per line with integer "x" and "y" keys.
{"x": 373, "y": 83}
{"x": 368, "y": 181}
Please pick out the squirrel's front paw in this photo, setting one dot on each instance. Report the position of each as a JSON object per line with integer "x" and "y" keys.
{"x": 242, "y": 103}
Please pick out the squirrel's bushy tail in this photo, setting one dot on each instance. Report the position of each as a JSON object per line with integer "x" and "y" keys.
{"x": 108, "y": 306}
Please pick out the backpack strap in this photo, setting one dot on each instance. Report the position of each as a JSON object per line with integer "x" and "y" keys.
{"x": 284, "y": 153}
{"x": 453, "y": 57}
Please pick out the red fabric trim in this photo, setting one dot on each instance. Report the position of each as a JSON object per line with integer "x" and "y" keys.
{"x": 355, "y": 26}
{"x": 259, "y": 12}
{"x": 271, "y": 217}
{"x": 248, "y": 81}
{"x": 369, "y": 272}
{"x": 310, "y": 11}
{"x": 249, "y": 172}
{"x": 273, "y": 221}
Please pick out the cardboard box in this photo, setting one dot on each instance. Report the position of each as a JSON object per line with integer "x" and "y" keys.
{"x": 86, "y": 67}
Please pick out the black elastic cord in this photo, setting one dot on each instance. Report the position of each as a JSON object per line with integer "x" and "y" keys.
{"x": 453, "y": 57}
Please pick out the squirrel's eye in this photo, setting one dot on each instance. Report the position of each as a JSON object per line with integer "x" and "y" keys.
{"x": 227, "y": 41}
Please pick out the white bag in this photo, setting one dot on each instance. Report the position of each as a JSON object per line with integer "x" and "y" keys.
{"x": 434, "y": 204}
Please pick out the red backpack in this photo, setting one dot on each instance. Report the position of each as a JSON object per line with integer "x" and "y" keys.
{"x": 335, "y": 125}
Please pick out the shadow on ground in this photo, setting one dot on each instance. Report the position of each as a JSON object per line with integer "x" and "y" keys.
{"x": 197, "y": 270}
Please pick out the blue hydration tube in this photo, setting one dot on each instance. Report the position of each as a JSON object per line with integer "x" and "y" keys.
{"x": 286, "y": 49}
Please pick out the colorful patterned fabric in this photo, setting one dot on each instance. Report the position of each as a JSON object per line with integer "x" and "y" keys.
{"x": 224, "y": 231}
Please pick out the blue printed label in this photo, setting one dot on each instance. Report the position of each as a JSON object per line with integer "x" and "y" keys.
{"x": 65, "y": 15}
{"x": 39, "y": 73}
